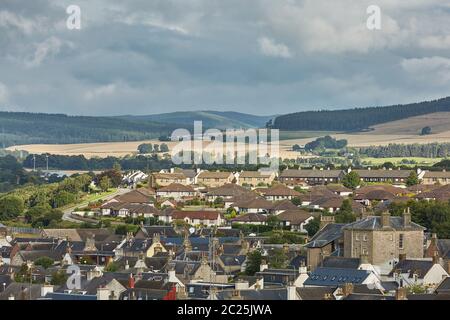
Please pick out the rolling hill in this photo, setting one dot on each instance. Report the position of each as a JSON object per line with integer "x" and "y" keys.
{"x": 358, "y": 119}
{"x": 31, "y": 128}
{"x": 210, "y": 119}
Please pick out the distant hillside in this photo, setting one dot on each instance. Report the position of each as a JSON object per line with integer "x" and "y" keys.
{"x": 210, "y": 119}
{"x": 31, "y": 128}
{"x": 359, "y": 118}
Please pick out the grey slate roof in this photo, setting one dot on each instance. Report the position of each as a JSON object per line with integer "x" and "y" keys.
{"x": 341, "y": 262}
{"x": 315, "y": 293}
{"x": 419, "y": 267}
{"x": 326, "y": 235}
{"x": 333, "y": 277}
{"x": 374, "y": 223}
{"x": 444, "y": 286}
{"x": 263, "y": 294}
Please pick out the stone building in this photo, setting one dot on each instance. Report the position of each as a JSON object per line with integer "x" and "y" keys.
{"x": 383, "y": 239}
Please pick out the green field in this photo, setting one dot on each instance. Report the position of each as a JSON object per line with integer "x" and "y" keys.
{"x": 289, "y": 135}
{"x": 398, "y": 161}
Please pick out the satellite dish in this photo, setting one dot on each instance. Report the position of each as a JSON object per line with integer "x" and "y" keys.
{"x": 191, "y": 230}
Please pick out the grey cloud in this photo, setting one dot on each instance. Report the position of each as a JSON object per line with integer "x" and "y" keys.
{"x": 149, "y": 56}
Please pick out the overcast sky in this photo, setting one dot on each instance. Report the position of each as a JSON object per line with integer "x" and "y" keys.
{"x": 256, "y": 56}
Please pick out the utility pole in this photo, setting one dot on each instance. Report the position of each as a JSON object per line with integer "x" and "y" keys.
{"x": 47, "y": 161}
{"x": 34, "y": 162}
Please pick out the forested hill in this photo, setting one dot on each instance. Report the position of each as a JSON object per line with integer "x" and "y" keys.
{"x": 30, "y": 128}
{"x": 358, "y": 118}
{"x": 210, "y": 119}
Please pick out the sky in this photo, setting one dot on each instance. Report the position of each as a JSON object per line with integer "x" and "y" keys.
{"x": 256, "y": 56}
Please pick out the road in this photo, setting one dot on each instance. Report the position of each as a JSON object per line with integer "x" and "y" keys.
{"x": 68, "y": 211}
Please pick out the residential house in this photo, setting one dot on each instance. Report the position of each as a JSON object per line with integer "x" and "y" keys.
{"x": 280, "y": 192}
{"x": 436, "y": 177}
{"x": 383, "y": 238}
{"x": 164, "y": 179}
{"x": 296, "y": 220}
{"x": 256, "y": 205}
{"x": 334, "y": 277}
{"x": 251, "y": 218}
{"x": 255, "y": 178}
{"x": 327, "y": 241}
{"x": 310, "y": 177}
{"x": 397, "y": 177}
{"x": 409, "y": 272}
{"x": 214, "y": 179}
{"x": 206, "y": 218}
{"x": 176, "y": 191}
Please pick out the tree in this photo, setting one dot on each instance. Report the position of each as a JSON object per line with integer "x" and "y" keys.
{"x": 105, "y": 183}
{"x": 351, "y": 180}
{"x": 112, "y": 267}
{"x": 164, "y": 148}
{"x": 273, "y": 221}
{"x": 413, "y": 179}
{"x": 11, "y": 206}
{"x": 278, "y": 258}
{"x": 425, "y": 131}
{"x": 45, "y": 262}
{"x": 59, "y": 278}
{"x": 345, "y": 213}
{"x": 297, "y": 201}
{"x": 253, "y": 263}
{"x": 313, "y": 226}
{"x": 145, "y": 148}
{"x": 62, "y": 198}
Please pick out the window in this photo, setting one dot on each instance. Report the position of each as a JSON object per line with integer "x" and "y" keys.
{"x": 400, "y": 240}
{"x": 357, "y": 237}
{"x": 365, "y": 237}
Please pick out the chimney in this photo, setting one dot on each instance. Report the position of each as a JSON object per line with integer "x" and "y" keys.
{"x": 325, "y": 220}
{"x": 406, "y": 218}
{"x": 401, "y": 294}
{"x": 46, "y": 288}
{"x": 364, "y": 259}
{"x": 236, "y": 295}
{"x": 302, "y": 269}
{"x": 436, "y": 259}
{"x": 263, "y": 266}
{"x": 291, "y": 292}
{"x": 364, "y": 213}
{"x": 131, "y": 281}
{"x": 385, "y": 219}
{"x": 434, "y": 239}
{"x": 401, "y": 257}
{"x": 347, "y": 289}
{"x": 172, "y": 275}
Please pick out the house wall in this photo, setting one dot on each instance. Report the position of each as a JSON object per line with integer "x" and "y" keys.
{"x": 315, "y": 256}
{"x": 434, "y": 275}
{"x": 382, "y": 246}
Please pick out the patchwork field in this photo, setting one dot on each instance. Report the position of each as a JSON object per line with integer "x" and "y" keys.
{"x": 405, "y": 131}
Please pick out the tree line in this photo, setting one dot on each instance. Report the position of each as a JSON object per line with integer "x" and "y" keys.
{"x": 358, "y": 118}
{"x": 429, "y": 150}
{"x": 32, "y": 128}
